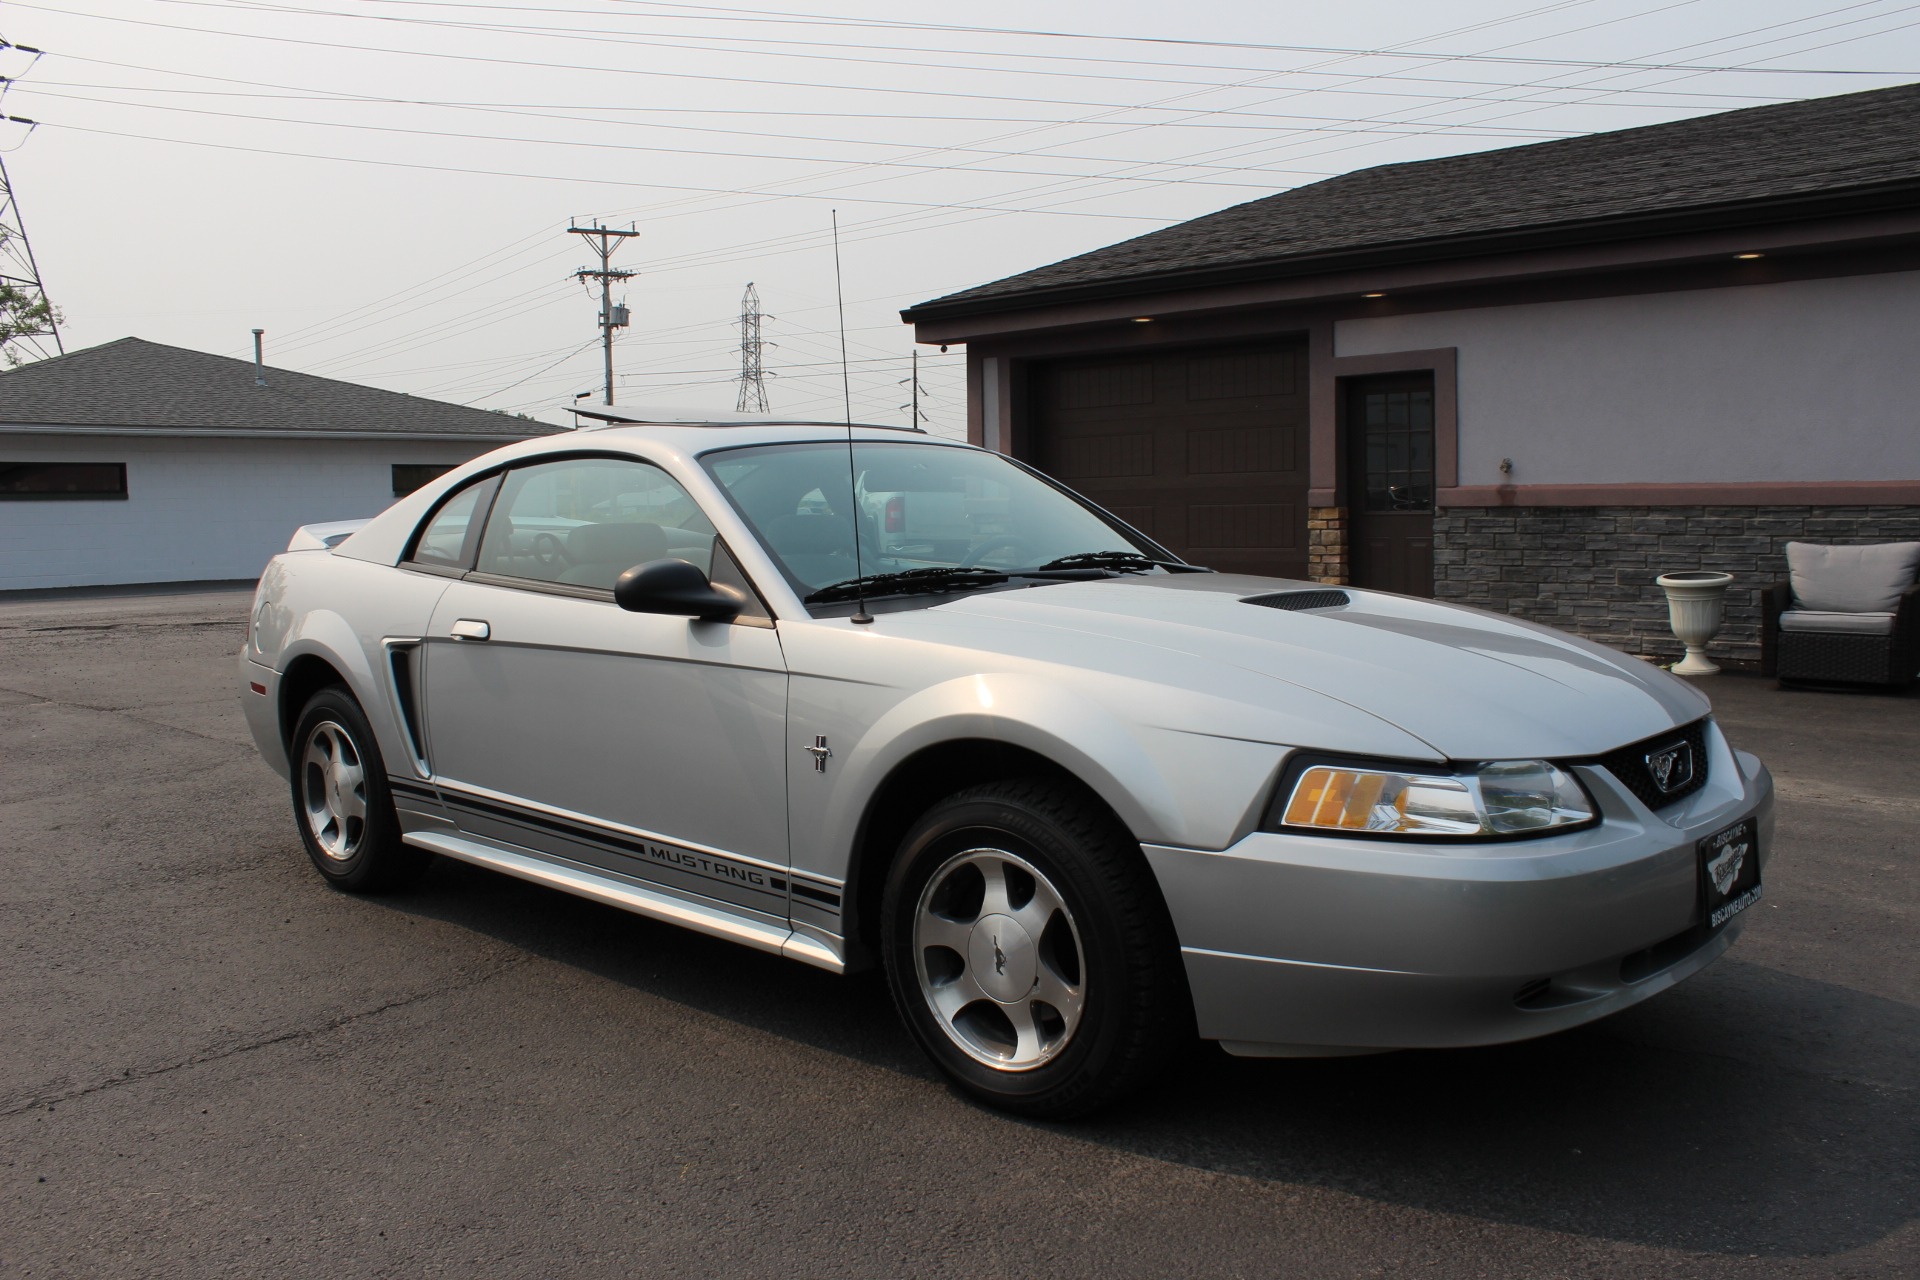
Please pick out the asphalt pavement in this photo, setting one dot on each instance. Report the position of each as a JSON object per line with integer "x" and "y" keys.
{"x": 211, "y": 1064}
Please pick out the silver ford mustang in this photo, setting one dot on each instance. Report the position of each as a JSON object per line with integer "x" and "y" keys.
{"x": 861, "y": 696}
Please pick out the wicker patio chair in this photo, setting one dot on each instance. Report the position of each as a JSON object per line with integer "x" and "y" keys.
{"x": 1847, "y": 615}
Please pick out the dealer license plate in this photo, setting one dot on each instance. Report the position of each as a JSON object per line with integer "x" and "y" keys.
{"x": 1730, "y": 871}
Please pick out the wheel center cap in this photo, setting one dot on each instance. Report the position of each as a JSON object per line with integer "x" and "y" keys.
{"x": 1003, "y": 958}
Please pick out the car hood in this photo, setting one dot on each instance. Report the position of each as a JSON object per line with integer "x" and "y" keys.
{"x": 1469, "y": 684}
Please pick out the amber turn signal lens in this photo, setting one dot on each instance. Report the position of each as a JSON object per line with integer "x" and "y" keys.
{"x": 1338, "y": 798}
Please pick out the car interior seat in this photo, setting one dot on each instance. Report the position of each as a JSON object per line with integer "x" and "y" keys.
{"x": 599, "y": 553}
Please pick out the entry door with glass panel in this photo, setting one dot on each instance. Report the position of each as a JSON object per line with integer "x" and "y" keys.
{"x": 1390, "y": 482}
{"x": 560, "y": 722}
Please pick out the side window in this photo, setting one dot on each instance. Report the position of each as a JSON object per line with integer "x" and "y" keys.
{"x": 444, "y": 540}
{"x": 585, "y": 521}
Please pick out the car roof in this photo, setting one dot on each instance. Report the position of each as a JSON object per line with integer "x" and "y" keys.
{"x": 693, "y": 438}
{"x": 709, "y": 419}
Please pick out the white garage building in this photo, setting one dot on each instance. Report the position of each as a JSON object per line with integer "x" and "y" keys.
{"x": 135, "y": 462}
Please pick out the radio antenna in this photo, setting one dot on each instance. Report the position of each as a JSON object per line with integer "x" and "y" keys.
{"x": 860, "y": 616}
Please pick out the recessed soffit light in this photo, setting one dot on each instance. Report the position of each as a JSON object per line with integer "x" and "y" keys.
{"x": 1746, "y": 257}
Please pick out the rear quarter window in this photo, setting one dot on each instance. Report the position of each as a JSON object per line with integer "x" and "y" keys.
{"x": 446, "y": 540}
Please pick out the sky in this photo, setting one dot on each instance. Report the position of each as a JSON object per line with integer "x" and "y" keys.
{"x": 385, "y": 186}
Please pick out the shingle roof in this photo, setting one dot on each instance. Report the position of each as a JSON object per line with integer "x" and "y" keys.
{"x": 135, "y": 384}
{"x": 1575, "y": 188}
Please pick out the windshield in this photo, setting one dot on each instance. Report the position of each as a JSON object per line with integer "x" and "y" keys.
{"x": 919, "y": 506}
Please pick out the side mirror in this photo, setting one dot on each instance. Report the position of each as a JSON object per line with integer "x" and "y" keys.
{"x": 678, "y": 588}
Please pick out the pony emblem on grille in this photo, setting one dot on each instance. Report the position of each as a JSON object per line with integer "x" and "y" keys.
{"x": 1671, "y": 767}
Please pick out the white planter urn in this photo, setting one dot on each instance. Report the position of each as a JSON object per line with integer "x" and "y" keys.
{"x": 1696, "y": 603}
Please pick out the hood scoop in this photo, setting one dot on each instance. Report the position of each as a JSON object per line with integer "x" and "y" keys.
{"x": 1297, "y": 600}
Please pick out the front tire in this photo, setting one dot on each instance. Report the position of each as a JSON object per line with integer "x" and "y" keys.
{"x": 341, "y": 803}
{"x": 1029, "y": 951}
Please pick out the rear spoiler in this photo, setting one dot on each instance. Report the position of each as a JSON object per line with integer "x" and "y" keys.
{"x": 323, "y": 537}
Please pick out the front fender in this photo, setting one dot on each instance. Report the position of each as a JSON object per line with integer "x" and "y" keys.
{"x": 1167, "y": 786}
{"x": 1073, "y": 731}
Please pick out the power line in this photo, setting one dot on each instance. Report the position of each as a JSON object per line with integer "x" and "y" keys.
{"x": 1681, "y": 48}
{"x": 657, "y": 73}
{"x": 623, "y": 146}
{"x": 423, "y": 296}
{"x": 550, "y": 368}
{"x": 709, "y": 12}
{"x": 549, "y": 177}
{"x": 511, "y": 308}
{"x": 1318, "y": 124}
{"x": 597, "y": 34}
{"x": 320, "y": 327}
{"x": 626, "y": 108}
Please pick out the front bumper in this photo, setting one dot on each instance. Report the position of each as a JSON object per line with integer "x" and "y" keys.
{"x": 1302, "y": 945}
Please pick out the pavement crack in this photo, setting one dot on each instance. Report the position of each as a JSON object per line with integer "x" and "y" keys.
{"x": 20, "y": 1106}
{"x": 125, "y": 714}
{"x": 150, "y": 624}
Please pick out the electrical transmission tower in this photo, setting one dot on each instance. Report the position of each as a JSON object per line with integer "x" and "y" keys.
{"x": 604, "y": 241}
{"x": 27, "y": 318}
{"x": 753, "y": 378}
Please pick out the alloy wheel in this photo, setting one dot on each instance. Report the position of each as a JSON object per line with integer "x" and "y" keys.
{"x": 334, "y": 791}
{"x": 999, "y": 959}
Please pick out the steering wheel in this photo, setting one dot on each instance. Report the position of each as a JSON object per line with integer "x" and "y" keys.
{"x": 550, "y": 551}
{"x": 979, "y": 553}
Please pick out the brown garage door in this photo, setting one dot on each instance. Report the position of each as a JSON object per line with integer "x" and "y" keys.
{"x": 1203, "y": 449}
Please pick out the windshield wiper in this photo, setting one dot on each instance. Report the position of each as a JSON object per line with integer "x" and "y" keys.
{"x": 1125, "y": 561}
{"x": 935, "y": 578}
{"x": 944, "y": 578}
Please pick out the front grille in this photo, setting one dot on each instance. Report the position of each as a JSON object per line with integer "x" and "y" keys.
{"x": 1300, "y": 600}
{"x": 1629, "y": 764}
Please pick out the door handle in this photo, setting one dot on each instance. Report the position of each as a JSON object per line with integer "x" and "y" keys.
{"x": 471, "y": 629}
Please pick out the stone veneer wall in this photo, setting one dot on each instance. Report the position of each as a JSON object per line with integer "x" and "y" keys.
{"x": 1590, "y": 570}
{"x": 1327, "y": 545}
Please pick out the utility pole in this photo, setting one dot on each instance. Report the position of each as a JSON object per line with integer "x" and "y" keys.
{"x": 753, "y": 384}
{"x": 913, "y": 403}
{"x": 604, "y": 241}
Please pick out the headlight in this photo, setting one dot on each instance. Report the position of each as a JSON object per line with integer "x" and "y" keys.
{"x": 1499, "y": 798}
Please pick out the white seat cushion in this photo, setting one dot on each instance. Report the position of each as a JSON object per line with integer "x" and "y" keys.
{"x": 1851, "y": 579}
{"x": 1846, "y": 624}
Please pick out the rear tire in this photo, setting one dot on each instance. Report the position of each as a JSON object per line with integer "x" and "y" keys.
{"x": 1029, "y": 950}
{"x": 342, "y": 806}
